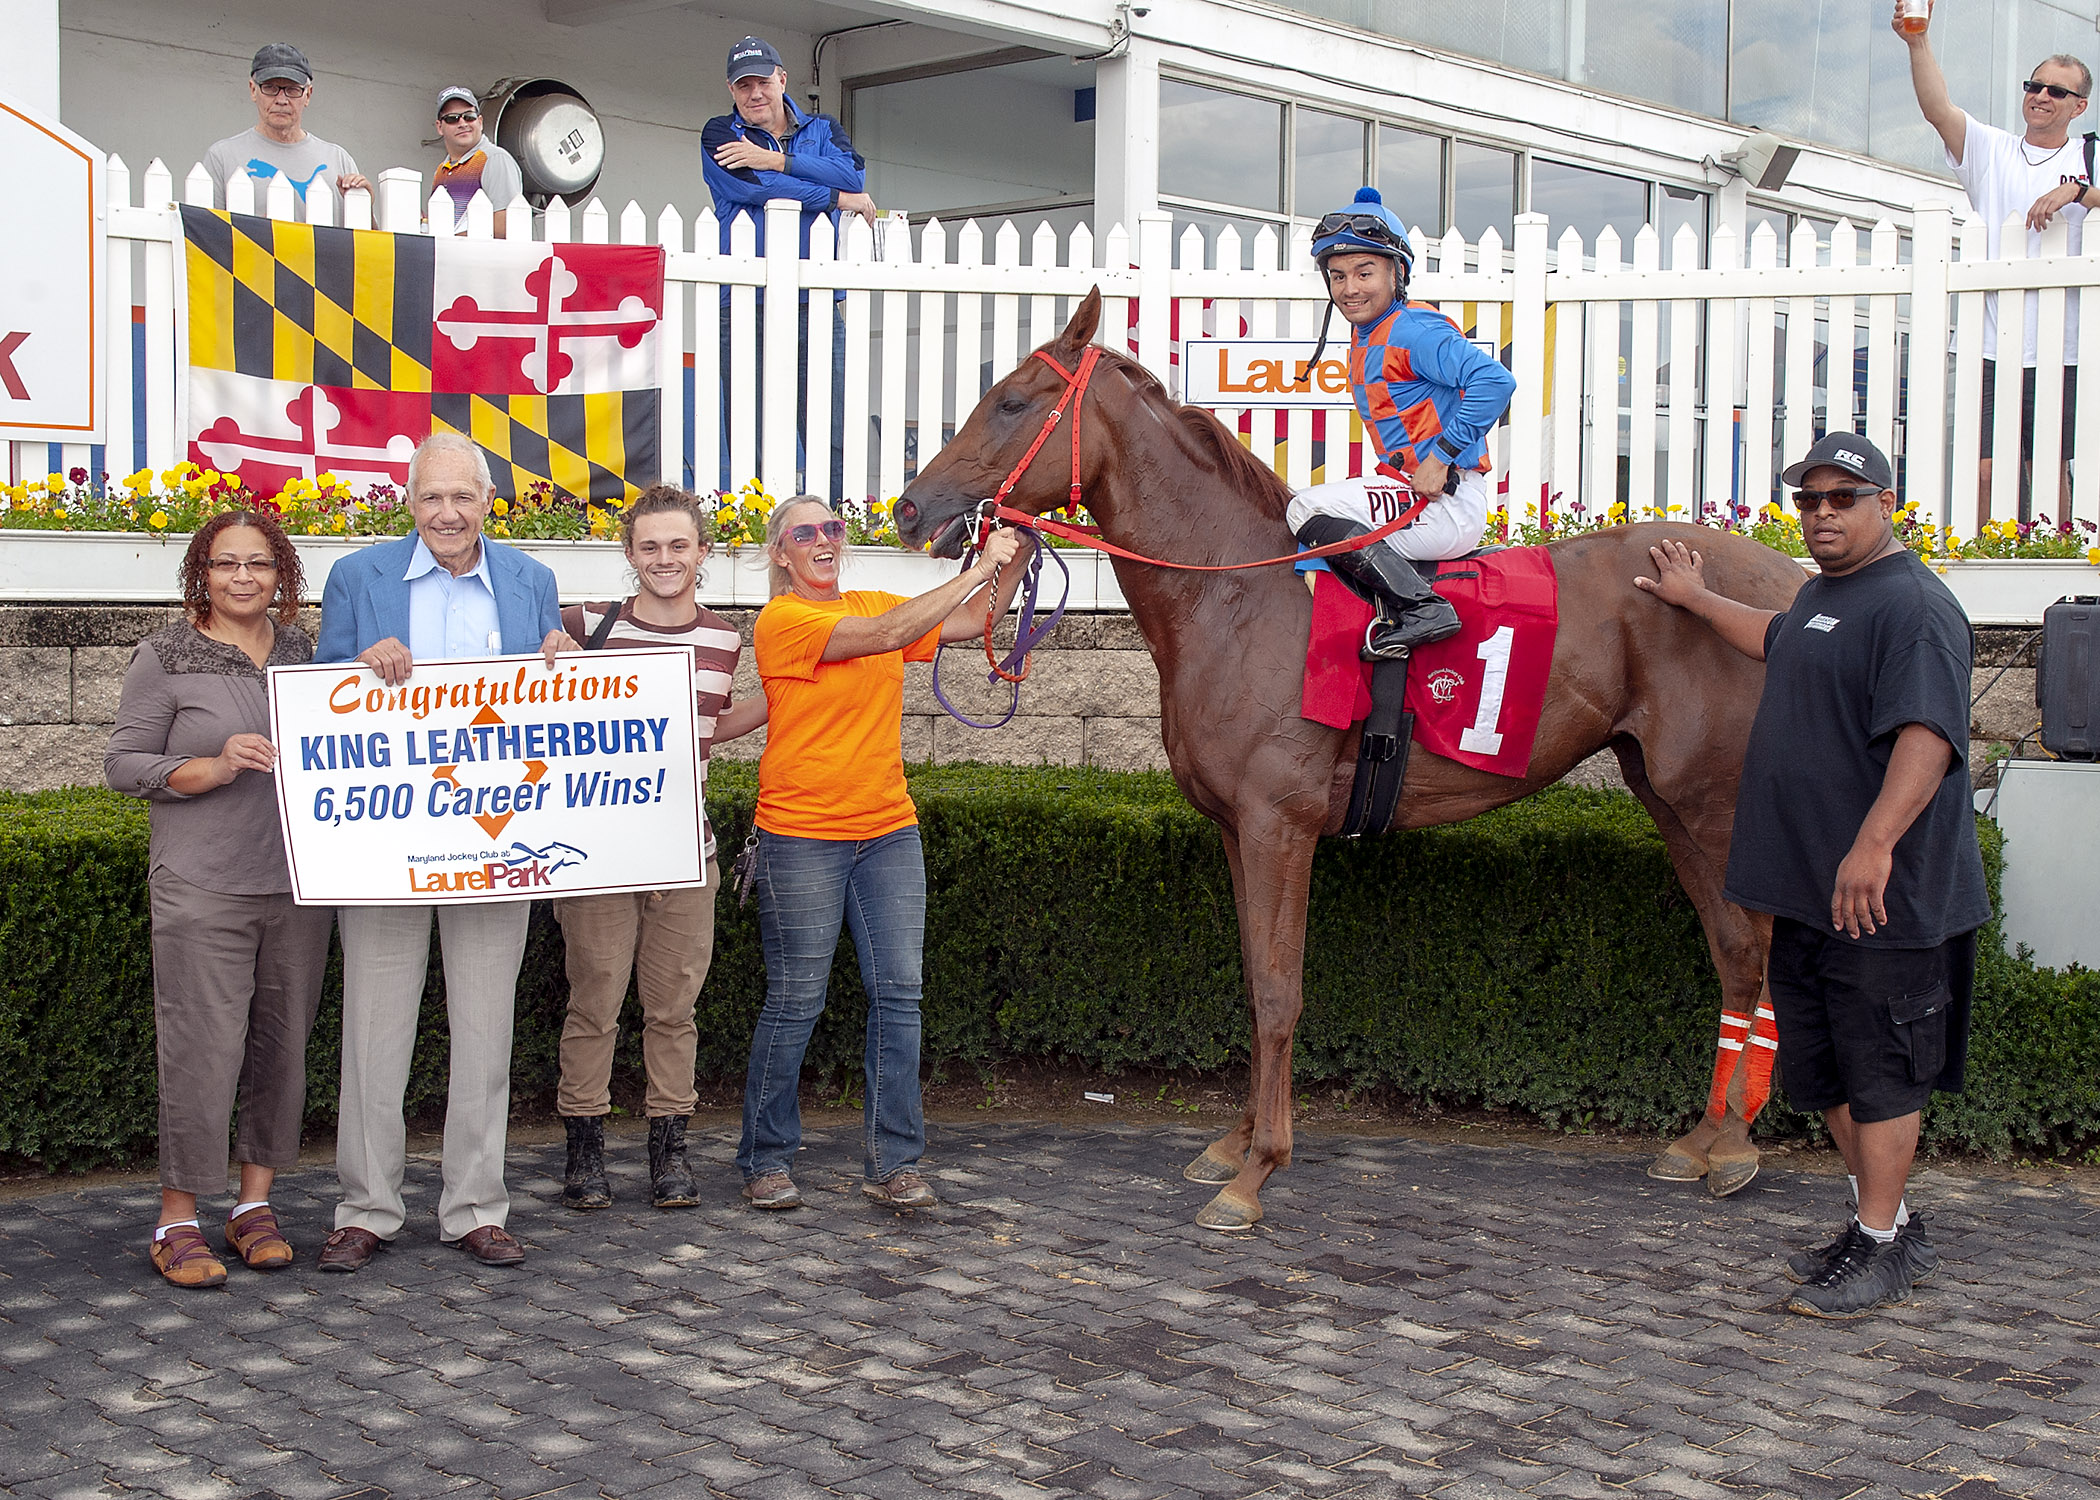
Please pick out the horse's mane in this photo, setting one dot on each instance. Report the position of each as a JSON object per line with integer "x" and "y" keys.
{"x": 1243, "y": 471}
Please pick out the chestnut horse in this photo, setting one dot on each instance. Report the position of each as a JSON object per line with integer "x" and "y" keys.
{"x": 1168, "y": 481}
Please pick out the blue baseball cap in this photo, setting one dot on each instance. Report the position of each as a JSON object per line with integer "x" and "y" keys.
{"x": 753, "y": 57}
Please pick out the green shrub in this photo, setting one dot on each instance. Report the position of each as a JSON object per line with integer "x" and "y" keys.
{"x": 1540, "y": 958}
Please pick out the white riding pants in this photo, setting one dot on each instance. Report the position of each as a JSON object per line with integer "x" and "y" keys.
{"x": 1450, "y": 526}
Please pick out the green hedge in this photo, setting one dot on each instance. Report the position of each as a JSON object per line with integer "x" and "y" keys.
{"x": 1541, "y": 958}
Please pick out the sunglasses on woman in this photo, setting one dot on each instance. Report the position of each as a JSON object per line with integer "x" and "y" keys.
{"x": 1810, "y": 501}
{"x": 807, "y": 532}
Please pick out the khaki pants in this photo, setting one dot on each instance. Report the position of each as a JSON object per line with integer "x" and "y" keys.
{"x": 236, "y": 982}
{"x": 386, "y": 951}
{"x": 665, "y": 940}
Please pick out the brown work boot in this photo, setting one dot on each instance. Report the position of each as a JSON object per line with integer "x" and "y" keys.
{"x": 257, "y": 1240}
{"x": 905, "y": 1190}
{"x": 773, "y": 1190}
{"x": 184, "y": 1257}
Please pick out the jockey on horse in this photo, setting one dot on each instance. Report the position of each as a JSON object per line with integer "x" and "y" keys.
{"x": 1429, "y": 398}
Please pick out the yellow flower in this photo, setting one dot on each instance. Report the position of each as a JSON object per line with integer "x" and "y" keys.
{"x": 500, "y": 506}
{"x": 326, "y": 481}
{"x": 140, "y": 482}
{"x": 342, "y": 522}
{"x": 158, "y": 520}
{"x": 55, "y": 483}
{"x": 313, "y": 528}
{"x": 175, "y": 476}
{"x": 195, "y": 488}
{"x": 2092, "y": 555}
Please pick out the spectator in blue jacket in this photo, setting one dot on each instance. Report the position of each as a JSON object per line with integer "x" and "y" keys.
{"x": 767, "y": 148}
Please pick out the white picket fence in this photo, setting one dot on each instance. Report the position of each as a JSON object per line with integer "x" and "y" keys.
{"x": 1617, "y": 363}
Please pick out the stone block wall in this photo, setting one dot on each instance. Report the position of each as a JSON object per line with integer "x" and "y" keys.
{"x": 1092, "y": 697}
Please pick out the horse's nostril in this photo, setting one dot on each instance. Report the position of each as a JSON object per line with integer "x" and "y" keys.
{"x": 907, "y": 511}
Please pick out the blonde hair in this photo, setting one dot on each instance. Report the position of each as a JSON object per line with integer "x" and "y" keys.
{"x": 777, "y": 581}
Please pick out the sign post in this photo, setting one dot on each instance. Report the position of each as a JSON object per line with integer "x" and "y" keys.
{"x": 54, "y": 313}
{"x": 493, "y": 779}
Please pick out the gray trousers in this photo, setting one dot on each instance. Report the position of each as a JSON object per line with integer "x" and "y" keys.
{"x": 236, "y": 982}
{"x": 386, "y": 952}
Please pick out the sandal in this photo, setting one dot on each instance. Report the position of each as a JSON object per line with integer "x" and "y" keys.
{"x": 256, "y": 1239}
{"x": 184, "y": 1257}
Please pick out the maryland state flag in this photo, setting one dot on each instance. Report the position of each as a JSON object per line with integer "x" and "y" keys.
{"x": 316, "y": 350}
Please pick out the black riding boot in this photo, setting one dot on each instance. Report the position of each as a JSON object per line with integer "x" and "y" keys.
{"x": 1410, "y": 613}
{"x": 583, "y": 1180}
{"x": 670, "y": 1180}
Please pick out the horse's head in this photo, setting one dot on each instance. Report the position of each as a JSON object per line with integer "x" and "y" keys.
{"x": 936, "y": 506}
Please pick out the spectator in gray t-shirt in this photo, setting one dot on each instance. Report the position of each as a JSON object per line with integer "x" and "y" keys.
{"x": 281, "y": 82}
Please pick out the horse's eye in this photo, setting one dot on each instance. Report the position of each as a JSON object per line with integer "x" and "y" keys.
{"x": 1012, "y": 406}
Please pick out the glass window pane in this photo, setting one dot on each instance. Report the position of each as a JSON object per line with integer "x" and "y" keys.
{"x": 1220, "y": 147}
{"x": 1675, "y": 52}
{"x": 1814, "y": 91}
{"x": 1328, "y": 156}
{"x": 1484, "y": 185}
{"x": 1211, "y": 225}
{"x": 1682, "y": 207}
{"x": 1411, "y": 176}
{"x": 914, "y": 158}
{"x": 1587, "y": 201}
{"x": 1527, "y": 34}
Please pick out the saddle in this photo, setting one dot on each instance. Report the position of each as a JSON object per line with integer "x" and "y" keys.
{"x": 1389, "y": 729}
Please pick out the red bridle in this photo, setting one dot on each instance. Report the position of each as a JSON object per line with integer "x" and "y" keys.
{"x": 1073, "y": 396}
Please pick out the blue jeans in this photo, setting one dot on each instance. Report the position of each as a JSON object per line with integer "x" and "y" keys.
{"x": 806, "y": 887}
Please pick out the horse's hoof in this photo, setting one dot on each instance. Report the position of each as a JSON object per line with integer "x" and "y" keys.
{"x": 1677, "y": 1165}
{"x": 1211, "y": 1168}
{"x": 1730, "y": 1166}
{"x": 1227, "y": 1212}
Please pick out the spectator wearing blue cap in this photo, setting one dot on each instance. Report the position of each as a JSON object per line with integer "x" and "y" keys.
{"x": 281, "y": 85}
{"x": 767, "y": 148}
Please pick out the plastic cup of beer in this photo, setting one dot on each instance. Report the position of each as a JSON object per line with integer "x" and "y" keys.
{"x": 1912, "y": 15}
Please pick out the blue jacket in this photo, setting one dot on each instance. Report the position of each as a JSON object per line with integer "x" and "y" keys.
{"x": 821, "y": 164}
{"x": 367, "y": 599}
{"x": 1423, "y": 388}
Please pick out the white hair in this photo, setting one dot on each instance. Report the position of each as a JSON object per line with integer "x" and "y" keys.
{"x": 451, "y": 442}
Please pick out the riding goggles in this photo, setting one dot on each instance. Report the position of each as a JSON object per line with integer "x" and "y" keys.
{"x": 1345, "y": 231}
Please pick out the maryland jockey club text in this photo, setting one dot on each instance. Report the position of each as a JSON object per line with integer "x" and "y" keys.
{"x": 483, "y": 692}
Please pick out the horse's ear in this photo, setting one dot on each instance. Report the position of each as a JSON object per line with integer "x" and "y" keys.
{"x": 1086, "y": 321}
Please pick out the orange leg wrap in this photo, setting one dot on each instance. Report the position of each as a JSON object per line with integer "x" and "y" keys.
{"x": 1728, "y": 1055}
{"x": 1761, "y": 1054}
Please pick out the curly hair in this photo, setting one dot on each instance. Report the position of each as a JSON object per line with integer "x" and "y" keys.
{"x": 196, "y": 564}
{"x": 663, "y": 500}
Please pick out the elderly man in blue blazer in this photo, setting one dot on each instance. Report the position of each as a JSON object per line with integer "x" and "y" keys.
{"x": 447, "y": 591}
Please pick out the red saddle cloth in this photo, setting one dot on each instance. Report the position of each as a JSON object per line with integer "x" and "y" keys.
{"x": 1476, "y": 697}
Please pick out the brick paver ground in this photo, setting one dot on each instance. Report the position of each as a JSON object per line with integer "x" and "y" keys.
{"x": 1413, "y": 1318}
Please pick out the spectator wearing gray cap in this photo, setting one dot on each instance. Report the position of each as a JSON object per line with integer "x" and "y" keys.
{"x": 472, "y": 164}
{"x": 768, "y": 148}
{"x": 281, "y": 82}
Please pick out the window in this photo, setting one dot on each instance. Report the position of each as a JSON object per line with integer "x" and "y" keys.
{"x": 1588, "y": 201}
{"x": 1220, "y": 148}
{"x": 1483, "y": 190}
{"x": 1327, "y": 157}
{"x": 1411, "y": 177}
{"x": 902, "y": 124}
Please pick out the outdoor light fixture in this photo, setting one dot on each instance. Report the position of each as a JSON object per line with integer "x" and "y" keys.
{"x": 1763, "y": 160}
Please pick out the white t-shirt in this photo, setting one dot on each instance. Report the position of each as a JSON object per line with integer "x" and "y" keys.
{"x": 2002, "y": 176}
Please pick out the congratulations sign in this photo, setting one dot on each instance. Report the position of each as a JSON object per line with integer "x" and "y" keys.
{"x": 491, "y": 779}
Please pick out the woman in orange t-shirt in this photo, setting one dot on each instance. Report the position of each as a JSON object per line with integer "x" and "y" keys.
{"x": 838, "y": 838}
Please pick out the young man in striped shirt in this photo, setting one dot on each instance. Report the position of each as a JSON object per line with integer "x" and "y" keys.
{"x": 664, "y": 938}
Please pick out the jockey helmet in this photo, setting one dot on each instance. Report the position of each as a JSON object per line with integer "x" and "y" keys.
{"x": 1365, "y": 227}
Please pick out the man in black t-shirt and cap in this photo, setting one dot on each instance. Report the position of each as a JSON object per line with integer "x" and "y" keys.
{"x": 1854, "y": 830}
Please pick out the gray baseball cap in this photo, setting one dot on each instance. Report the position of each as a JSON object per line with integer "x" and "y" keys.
{"x": 275, "y": 60}
{"x": 753, "y": 58}
{"x": 455, "y": 91}
{"x": 1848, "y": 451}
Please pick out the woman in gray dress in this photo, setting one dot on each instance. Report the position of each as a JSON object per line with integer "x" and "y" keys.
{"x": 236, "y": 966}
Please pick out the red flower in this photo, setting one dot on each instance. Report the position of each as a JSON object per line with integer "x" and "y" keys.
{"x": 78, "y": 476}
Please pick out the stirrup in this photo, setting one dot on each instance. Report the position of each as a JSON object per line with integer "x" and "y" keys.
{"x": 1368, "y": 652}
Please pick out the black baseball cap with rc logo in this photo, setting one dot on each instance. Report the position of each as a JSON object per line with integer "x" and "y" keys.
{"x": 1848, "y": 451}
{"x": 753, "y": 58}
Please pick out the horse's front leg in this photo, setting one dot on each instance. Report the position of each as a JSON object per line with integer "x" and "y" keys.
{"x": 1271, "y": 879}
{"x": 1222, "y": 1159}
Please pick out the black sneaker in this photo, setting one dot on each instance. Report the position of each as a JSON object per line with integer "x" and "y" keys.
{"x": 1806, "y": 1265}
{"x": 1862, "y": 1276}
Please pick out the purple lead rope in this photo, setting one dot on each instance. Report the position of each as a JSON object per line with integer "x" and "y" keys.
{"x": 1026, "y": 633}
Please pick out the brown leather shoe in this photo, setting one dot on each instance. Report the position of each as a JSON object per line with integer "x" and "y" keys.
{"x": 184, "y": 1257}
{"x": 905, "y": 1190}
{"x": 492, "y": 1245}
{"x": 349, "y": 1249}
{"x": 257, "y": 1240}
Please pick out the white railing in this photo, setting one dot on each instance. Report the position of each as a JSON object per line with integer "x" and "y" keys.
{"x": 1618, "y": 363}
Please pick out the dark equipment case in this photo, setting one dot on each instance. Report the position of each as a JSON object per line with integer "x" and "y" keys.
{"x": 2067, "y": 678}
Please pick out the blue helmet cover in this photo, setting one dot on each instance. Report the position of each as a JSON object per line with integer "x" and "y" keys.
{"x": 1354, "y": 241}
